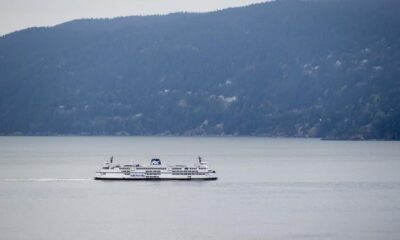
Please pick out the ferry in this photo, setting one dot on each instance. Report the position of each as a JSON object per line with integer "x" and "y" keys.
{"x": 155, "y": 171}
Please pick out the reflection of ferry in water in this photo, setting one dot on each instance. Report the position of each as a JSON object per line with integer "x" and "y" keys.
{"x": 155, "y": 171}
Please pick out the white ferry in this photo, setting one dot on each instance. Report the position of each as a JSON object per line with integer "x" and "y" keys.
{"x": 155, "y": 171}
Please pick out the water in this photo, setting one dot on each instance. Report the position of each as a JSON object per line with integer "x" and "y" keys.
{"x": 268, "y": 188}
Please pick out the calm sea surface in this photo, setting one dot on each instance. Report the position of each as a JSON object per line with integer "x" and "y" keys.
{"x": 268, "y": 188}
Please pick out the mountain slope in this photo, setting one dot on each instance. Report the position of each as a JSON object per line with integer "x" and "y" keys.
{"x": 325, "y": 69}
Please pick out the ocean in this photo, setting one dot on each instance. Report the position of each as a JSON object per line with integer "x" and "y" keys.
{"x": 268, "y": 188}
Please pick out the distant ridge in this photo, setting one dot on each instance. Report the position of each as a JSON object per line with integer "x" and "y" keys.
{"x": 327, "y": 69}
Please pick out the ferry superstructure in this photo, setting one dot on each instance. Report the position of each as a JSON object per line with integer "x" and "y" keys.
{"x": 155, "y": 171}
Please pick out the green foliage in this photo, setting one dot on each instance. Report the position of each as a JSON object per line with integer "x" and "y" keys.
{"x": 325, "y": 69}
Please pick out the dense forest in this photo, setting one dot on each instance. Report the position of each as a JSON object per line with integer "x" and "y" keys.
{"x": 317, "y": 68}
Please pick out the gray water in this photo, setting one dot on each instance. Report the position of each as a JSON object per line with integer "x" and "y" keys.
{"x": 268, "y": 188}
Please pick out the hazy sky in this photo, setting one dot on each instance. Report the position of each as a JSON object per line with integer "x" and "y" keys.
{"x": 20, "y": 14}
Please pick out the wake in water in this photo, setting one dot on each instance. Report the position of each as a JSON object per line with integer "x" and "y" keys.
{"x": 44, "y": 179}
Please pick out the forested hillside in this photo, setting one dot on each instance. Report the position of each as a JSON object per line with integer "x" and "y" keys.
{"x": 319, "y": 68}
